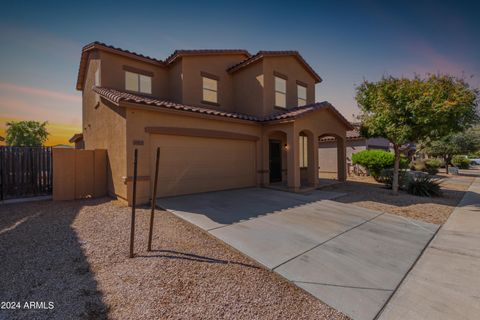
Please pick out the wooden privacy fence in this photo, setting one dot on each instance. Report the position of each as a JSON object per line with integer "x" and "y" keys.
{"x": 25, "y": 172}
{"x": 79, "y": 174}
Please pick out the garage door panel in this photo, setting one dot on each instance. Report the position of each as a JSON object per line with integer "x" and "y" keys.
{"x": 195, "y": 164}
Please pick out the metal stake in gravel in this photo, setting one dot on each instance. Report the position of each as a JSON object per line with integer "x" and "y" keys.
{"x": 132, "y": 229}
{"x": 154, "y": 202}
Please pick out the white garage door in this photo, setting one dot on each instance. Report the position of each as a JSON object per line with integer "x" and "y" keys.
{"x": 197, "y": 164}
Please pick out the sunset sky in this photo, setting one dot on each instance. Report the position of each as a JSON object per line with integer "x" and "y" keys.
{"x": 345, "y": 43}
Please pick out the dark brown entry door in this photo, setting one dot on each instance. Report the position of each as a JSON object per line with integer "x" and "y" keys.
{"x": 275, "y": 161}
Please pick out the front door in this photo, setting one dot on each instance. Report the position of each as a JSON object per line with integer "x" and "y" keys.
{"x": 275, "y": 161}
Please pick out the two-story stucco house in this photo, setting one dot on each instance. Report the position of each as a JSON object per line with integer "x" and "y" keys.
{"x": 223, "y": 119}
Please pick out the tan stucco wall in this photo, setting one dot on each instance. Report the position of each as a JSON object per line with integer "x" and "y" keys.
{"x": 104, "y": 127}
{"x": 216, "y": 65}
{"x": 138, "y": 119}
{"x": 175, "y": 89}
{"x": 248, "y": 89}
{"x": 290, "y": 67}
{"x": 113, "y": 75}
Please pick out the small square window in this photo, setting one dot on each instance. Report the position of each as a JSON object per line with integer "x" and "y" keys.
{"x": 210, "y": 90}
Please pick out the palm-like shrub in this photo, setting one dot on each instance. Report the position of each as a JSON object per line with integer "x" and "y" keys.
{"x": 423, "y": 186}
{"x": 386, "y": 177}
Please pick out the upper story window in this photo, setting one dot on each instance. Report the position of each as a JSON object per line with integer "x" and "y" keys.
{"x": 210, "y": 88}
{"x": 97, "y": 77}
{"x": 138, "y": 82}
{"x": 301, "y": 95}
{"x": 280, "y": 92}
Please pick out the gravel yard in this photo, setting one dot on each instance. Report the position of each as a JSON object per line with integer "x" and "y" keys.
{"x": 366, "y": 192}
{"x": 75, "y": 254}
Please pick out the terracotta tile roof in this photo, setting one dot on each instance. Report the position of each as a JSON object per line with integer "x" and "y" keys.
{"x": 117, "y": 96}
{"x": 76, "y": 137}
{"x": 353, "y": 134}
{"x": 97, "y": 44}
{"x": 179, "y": 53}
{"x": 259, "y": 55}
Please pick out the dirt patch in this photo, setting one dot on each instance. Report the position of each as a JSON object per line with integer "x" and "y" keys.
{"x": 366, "y": 192}
{"x": 75, "y": 254}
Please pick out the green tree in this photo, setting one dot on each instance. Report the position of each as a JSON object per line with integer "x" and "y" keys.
{"x": 408, "y": 110}
{"x": 453, "y": 144}
{"x": 26, "y": 133}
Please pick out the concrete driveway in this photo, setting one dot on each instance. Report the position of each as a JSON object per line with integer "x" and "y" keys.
{"x": 349, "y": 257}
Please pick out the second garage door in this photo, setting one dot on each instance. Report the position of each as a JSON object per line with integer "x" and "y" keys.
{"x": 196, "y": 164}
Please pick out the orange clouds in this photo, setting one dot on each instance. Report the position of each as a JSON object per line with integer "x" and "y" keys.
{"x": 45, "y": 93}
{"x": 19, "y": 102}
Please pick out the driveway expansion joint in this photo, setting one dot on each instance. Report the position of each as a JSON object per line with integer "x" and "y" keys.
{"x": 322, "y": 243}
{"x": 342, "y": 286}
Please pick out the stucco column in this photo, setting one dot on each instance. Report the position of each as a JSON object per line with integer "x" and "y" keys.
{"x": 312, "y": 150}
{"x": 293, "y": 162}
{"x": 264, "y": 167}
{"x": 341, "y": 159}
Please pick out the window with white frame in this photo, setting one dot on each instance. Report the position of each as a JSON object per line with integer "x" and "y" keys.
{"x": 280, "y": 92}
{"x": 138, "y": 82}
{"x": 301, "y": 95}
{"x": 210, "y": 89}
{"x": 303, "y": 148}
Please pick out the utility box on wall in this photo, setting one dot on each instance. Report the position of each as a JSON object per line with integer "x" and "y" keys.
{"x": 79, "y": 174}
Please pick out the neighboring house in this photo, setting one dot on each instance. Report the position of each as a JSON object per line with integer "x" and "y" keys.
{"x": 77, "y": 139}
{"x": 223, "y": 119}
{"x": 327, "y": 149}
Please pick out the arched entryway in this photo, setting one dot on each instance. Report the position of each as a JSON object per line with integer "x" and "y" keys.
{"x": 331, "y": 158}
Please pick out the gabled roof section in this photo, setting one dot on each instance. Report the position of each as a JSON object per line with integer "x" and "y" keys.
{"x": 102, "y": 46}
{"x": 203, "y": 52}
{"x": 296, "y": 112}
{"x": 117, "y": 97}
{"x": 261, "y": 54}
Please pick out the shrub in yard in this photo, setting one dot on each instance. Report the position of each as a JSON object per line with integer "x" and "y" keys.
{"x": 423, "y": 186}
{"x": 376, "y": 160}
{"x": 418, "y": 165}
{"x": 386, "y": 177}
{"x": 461, "y": 162}
{"x": 432, "y": 165}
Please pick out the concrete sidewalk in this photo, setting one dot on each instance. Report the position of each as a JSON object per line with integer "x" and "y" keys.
{"x": 445, "y": 282}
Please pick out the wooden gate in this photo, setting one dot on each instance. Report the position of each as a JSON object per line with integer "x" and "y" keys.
{"x": 25, "y": 172}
